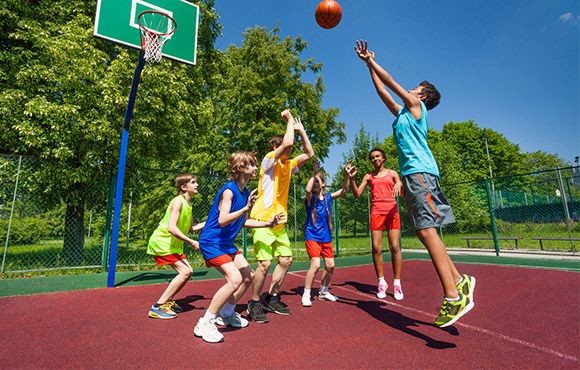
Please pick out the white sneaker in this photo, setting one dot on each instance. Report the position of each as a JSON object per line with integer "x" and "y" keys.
{"x": 382, "y": 289}
{"x": 235, "y": 321}
{"x": 306, "y": 302}
{"x": 327, "y": 297}
{"x": 398, "y": 293}
{"x": 207, "y": 331}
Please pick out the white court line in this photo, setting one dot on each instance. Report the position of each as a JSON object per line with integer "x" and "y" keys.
{"x": 471, "y": 327}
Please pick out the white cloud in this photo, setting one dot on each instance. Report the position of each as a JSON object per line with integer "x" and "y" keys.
{"x": 569, "y": 18}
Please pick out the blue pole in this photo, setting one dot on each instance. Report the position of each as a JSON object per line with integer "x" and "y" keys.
{"x": 121, "y": 172}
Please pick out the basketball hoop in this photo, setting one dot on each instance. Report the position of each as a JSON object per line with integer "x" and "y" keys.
{"x": 156, "y": 28}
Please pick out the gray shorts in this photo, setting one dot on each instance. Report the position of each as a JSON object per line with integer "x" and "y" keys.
{"x": 425, "y": 201}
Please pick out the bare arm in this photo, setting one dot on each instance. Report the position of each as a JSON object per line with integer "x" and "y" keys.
{"x": 383, "y": 93}
{"x": 288, "y": 139}
{"x": 197, "y": 227}
{"x": 345, "y": 186}
{"x": 309, "y": 186}
{"x": 397, "y": 188}
{"x": 226, "y": 217}
{"x": 174, "y": 212}
{"x": 358, "y": 190}
{"x": 308, "y": 151}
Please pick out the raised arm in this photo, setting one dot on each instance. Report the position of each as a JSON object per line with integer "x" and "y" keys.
{"x": 356, "y": 190}
{"x": 308, "y": 151}
{"x": 309, "y": 186}
{"x": 345, "y": 185}
{"x": 288, "y": 139}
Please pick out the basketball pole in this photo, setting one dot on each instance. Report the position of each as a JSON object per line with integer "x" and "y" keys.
{"x": 121, "y": 171}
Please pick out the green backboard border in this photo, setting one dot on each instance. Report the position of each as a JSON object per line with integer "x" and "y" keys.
{"x": 116, "y": 21}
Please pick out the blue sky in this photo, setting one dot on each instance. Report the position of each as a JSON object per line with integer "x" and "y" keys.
{"x": 508, "y": 65}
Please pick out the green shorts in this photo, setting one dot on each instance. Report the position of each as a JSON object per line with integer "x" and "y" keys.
{"x": 269, "y": 242}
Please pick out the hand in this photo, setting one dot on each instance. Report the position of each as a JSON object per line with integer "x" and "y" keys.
{"x": 298, "y": 124}
{"x": 252, "y": 199}
{"x": 397, "y": 189}
{"x": 286, "y": 115}
{"x": 350, "y": 170}
{"x": 362, "y": 51}
{"x": 194, "y": 244}
{"x": 280, "y": 217}
{"x": 315, "y": 167}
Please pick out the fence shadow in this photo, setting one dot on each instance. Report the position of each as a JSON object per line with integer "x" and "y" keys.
{"x": 156, "y": 276}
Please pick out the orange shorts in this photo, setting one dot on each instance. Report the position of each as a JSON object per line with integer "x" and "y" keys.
{"x": 390, "y": 221}
{"x": 169, "y": 259}
{"x": 221, "y": 260}
{"x": 318, "y": 249}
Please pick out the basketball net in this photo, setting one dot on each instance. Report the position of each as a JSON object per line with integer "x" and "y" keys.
{"x": 156, "y": 28}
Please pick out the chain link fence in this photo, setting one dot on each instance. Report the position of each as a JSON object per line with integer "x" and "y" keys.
{"x": 533, "y": 212}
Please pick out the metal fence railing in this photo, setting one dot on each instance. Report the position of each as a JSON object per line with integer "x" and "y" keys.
{"x": 41, "y": 230}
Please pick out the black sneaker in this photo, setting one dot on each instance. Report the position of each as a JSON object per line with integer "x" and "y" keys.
{"x": 256, "y": 312}
{"x": 274, "y": 304}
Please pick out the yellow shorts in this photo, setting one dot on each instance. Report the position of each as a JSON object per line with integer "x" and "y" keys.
{"x": 269, "y": 243}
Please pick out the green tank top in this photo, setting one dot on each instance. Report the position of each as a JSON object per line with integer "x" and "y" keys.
{"x": 162, "y": 243}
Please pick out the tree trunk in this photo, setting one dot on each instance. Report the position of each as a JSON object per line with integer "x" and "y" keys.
{"x": 74, "y": 238}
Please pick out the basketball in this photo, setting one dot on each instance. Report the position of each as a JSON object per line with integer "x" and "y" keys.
{"x": 328, "y": 14}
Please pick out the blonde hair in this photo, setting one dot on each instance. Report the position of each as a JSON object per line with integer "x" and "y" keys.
{"x": 239, "y": 161}
{"x": 183, "y": 179}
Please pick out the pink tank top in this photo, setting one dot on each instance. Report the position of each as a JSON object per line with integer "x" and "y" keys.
{"x": 382, "y": 199}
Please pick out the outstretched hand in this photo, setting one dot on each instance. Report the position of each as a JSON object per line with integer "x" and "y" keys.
{"x": 362, "y": 50}
{"x": 252, "y": 199}
{"x": 298, "y": 126}
{"x": 286, "y": 115}
{"x": 280, "y": 217}
{"x": 350, "y": 169}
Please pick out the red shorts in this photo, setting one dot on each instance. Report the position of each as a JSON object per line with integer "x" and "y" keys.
{"x": 221, "y": 260}
{"x": 169, "y": 259}
{"x": 317, "y": 249}
{"x": 389, "y": 221}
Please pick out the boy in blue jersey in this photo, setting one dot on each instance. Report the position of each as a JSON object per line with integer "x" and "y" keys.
{"x": 227, "y": 216}
{"x": 428, "y": 207}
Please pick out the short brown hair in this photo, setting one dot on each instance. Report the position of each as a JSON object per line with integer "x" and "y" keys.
{"x": 432, "y": 96}
{"x": 182, "y": 179}
{"x": 275, "y": 141}
{"x": 238, "y": 161}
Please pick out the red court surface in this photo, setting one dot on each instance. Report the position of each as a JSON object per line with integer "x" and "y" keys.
{"x": 523, "y": 318}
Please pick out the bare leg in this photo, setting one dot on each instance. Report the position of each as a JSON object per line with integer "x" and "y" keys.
{"x": 226, "y": 292}
{"x": 279, "y": 274}
{"x": 259, "y": 279}
{"x": 247, "y": 277}
{"x": 184, "y": 272}
{"x": 396, "y": 256}
{"x": 440, "y": 258}
{"x": 312, "y": 271}
{"x": 328, "y": 271}
{"x": 377, "y": 252}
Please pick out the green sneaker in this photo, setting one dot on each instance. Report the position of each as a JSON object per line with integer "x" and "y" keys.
{"x": 466, "y": 286}
{"x": 451, "y": 311}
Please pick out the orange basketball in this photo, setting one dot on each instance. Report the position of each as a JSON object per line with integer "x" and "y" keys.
{"x": 328, "y": 13}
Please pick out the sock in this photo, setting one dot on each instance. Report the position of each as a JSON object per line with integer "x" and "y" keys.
{"x": 460, "y": 280}
{"x": 306, "y": 293}
{"x": 452, "y": 299}
{"x": 323, "y": 289}
{"x": 209, "y": 316}
{"x": 227, "y": 310}
{"x": 397, "y": 282}
{"x": 381, "y": 278}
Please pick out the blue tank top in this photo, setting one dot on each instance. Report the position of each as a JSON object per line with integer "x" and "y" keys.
{"x": 215, "y": 241}
{"x": 411, "y": 139}
{"x": 319, "y": 230}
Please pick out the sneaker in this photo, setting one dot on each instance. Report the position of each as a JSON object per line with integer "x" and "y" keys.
{"x": 451, "y": 311}
{"x": 161, "y": 312}
{"x": 466, "y": 286}
{"x": 327, "y": 297}
{"x": 398, "y": 292}
{"x": 256, "y": 312}
{"x": 382, "y": 289}
{"x": 235, "y": 321}
{"x": 173, "y": 306}
{"x": 206, "y": 330}
{"x": 306, "y": 301}
{"x": 274, "y": 304}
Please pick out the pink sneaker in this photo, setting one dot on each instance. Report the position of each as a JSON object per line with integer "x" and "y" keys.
{"x": 399, "y": 296}
{"x": 382, "y": 289}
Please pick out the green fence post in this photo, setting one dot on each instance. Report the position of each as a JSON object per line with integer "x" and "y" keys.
{"x": 336, "y": 237}
{"x": 244, "y": 242}
{"x": 492, "y": 217}
{"x": 107, "y": 241}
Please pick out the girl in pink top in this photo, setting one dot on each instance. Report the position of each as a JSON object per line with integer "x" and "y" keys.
{"x": 385, "y": 185}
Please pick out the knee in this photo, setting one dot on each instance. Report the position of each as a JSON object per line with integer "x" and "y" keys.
{"x": 377, "y": 250}
{"x": 264, "y": 266}
{"x": 285, "y": 262}
{"x": 186, "y": 274}
{"x": 395, "y": 248}
{"x": 247, "y": 276}
{"x": 329, "y": 266}
{"x": 315, "y": 265}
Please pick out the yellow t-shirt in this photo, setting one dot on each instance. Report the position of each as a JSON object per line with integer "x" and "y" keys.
{"x": 273, "y": 187}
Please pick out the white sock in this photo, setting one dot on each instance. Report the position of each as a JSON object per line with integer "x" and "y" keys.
{"x": 323, "y": 289}
{"x": 452, "y": 299}
{"x": 306, "y": 293}
{"x": 209, "y": 316}
{"x": 382, "y": 278}
{"x": 227, "y": 310}
{"x": 397, "y": 282}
